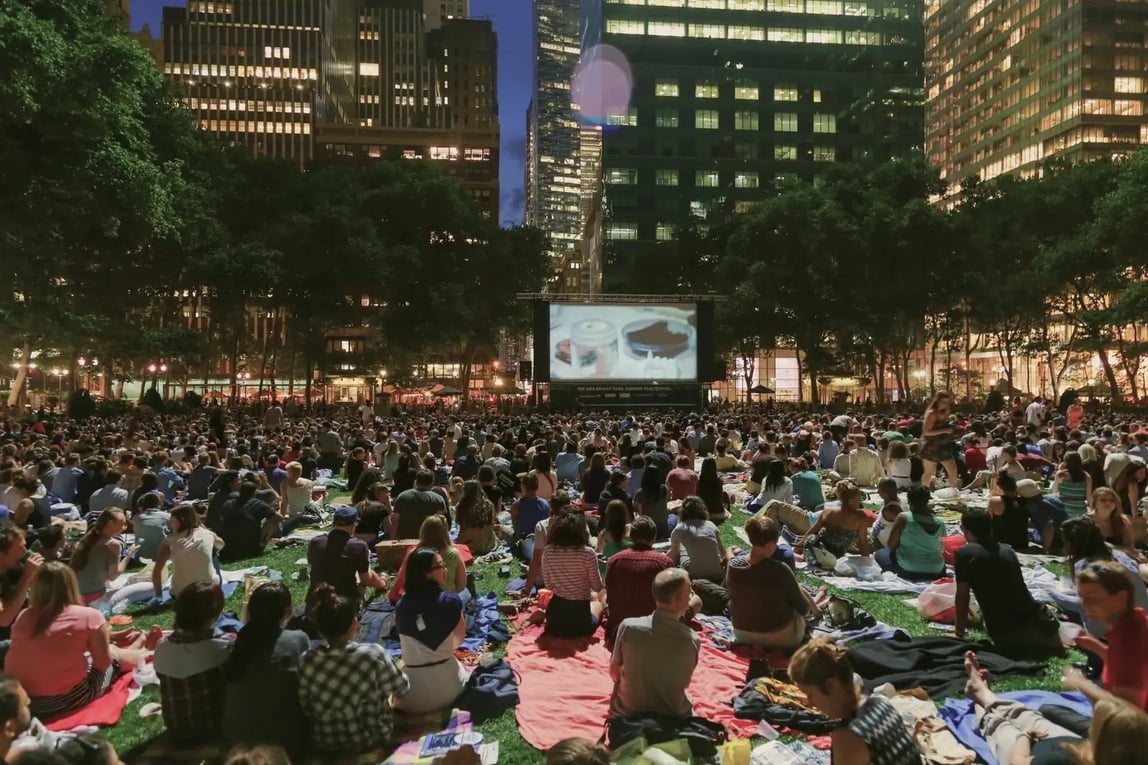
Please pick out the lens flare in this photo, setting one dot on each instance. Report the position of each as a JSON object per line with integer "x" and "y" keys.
{"x": 602, "y": 84}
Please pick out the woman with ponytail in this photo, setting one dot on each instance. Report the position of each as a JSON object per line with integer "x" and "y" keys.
{"x": 98, "y": 557}
{"x": 871, "y": 729}
{"x": 345, "y": 686}
{"x": 262, "y": 705}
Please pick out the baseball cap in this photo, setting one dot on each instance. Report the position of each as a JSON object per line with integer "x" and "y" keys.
{"x": 345, "y": 515}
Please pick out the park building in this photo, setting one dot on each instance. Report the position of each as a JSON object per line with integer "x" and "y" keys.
{"x": 1011, "y": 84}
{"x": 729, "y": 96}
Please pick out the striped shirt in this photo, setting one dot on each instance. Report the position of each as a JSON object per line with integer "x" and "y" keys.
{"x": 571, "y": 573}
{"x": 1072, "y": 494}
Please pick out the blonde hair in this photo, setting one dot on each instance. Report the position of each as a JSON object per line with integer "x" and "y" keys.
{"x": 846, "y": 490}
{"x": 294, "y": 469}
{"x": 1087, "y": 452}
{"x": 434, "y": 533}
{"x": 1118, "y": 735}
{"x": 54, "y": 589}
{"x": 93, "y": 535}
{"x": 819, "y": 661}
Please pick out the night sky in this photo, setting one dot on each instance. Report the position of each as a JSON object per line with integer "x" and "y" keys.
{"x": 512, "y": 21}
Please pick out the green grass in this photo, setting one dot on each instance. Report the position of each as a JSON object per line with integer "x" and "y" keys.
{"x": 134, "y": 731}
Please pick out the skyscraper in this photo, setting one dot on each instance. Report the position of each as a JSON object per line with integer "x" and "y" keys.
{"x": 1013, "y": 83}
{"x": 437, "y": 11}
{"x": 553, "y": 162}
{"x": 730, "y": 95}
{"x": 250, "y": 69}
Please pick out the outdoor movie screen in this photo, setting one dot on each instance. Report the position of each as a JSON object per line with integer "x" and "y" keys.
{"x": 623, "y": 342}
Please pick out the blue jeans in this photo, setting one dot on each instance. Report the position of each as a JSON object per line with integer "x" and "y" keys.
{"x": 887, "y": 560}
{"x": 527, "y": 547}
{"x": 664, "y": 531}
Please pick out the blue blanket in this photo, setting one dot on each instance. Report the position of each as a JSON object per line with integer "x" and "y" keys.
{"x": 483, "y": 624}
{"x": 958, "y": 715}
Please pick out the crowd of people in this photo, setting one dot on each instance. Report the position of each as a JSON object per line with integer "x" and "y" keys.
{"x": 615, "y": 518}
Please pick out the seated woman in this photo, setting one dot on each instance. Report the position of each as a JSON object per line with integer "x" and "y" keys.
{"x": 570, "y": 570}
{"x": 614, "y": 533}
{"x": 695, "y": 543}
{"x": 345, "y": 687}
{"x": 525, "y": 514}
{"x": 262, "y": 698}
{"x": 766, "y": 605}
{"x": 189, "y": 664}
{"x": 841, "y": 530}
{"x": 149, "y": 524}
{"x": 431, "y": 628}
{"x": 476, "y": 519}
{"x": 191, "y": 548}
{"x": 61, "y": 650}
{"x": 374, "y": 511}
{"x": 871, "y": 731}
{"x": 99, "y": 557}
{"x": 1073, "y": 485}
{"x": 777, "y": 486}
{"x": 595, "y": 480}
{"x": 653, "y": 499}
{"x": 1105, "y": 513}
{"x": 434, "y": 534}
{"x": 914, "y": 550}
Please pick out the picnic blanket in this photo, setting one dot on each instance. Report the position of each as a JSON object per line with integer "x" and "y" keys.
{"x": 889, "y": 583}
{"x": 483, "y": 625}
{"x": 104, "y": 711}
{"x": 565, "y": 687}
{"x": 959, "y": 716}
{"x": 935, "y": 664}
{"x": 410, "y": 729}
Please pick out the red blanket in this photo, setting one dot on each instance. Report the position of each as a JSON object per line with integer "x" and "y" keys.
{"x": 565, "y": 687}
{"x": 102, "y": 712}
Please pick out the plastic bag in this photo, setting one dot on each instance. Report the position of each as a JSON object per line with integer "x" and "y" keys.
{"x": 861, "y": 566}
{"x": 939, "y": 600}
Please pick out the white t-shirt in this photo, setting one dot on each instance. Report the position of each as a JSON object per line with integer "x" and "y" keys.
{"x": 297, "y": 496}
{"x": 182, "y": 660}
{"x": 191, "y": 558}
{"x": 1033, "y": 413}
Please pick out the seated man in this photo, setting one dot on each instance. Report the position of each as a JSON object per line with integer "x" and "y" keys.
{"x": 630, "y": 576}
{"x": 726, "y": 462}
{"x": 859, "y": 462}
{"x": 806, "y": 485}
{"x": 766, "y": 605}
{"x": 1018, "y": 626}
{"x": 1107, "y": 597}
{"x": 654, "y": 656}
{"x": 340, "y": 559}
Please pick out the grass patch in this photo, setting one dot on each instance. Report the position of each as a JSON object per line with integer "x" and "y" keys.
{"x": 134, "y": 731}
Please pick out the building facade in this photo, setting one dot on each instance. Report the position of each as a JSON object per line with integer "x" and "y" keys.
{"x": 1011, "y": 84}
{"x": 553, "y": 162}
{"x": 250, "y": 70}
{"x": 437, "y": 11}
{"x": 728, "y": 96}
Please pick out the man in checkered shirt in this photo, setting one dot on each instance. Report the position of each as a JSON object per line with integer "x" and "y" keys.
{"x": 345, "y": 688}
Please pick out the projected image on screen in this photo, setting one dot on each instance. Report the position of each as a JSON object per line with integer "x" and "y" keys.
{"x": 623, "y": 342}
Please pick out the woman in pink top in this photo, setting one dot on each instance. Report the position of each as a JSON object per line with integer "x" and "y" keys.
{"x": 61, "y": 650}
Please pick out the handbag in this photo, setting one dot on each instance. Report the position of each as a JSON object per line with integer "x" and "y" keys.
{"x": 703, "y": 736}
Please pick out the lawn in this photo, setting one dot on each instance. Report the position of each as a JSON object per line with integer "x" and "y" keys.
{"x": 133, "y": 731}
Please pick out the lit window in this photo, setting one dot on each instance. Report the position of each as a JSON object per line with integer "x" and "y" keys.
{"x": 699, "y": 209}
{"x": 746, "y": 180}
{"x": 785, "y": 122}
{"x": 368, "y": 70}
{"x": 746, "y": 33}
{"x": 706, "y": 179}
{"x": 622, "y": 231}
{"x": 666, "y": 88}
{"x": 666, "y": 178}
{"x": 817, "y": 96}
{"x": 745, "y": 90}
{"x": 667, "y": 118}
{"x": 854, "y": 37}
{"x": 706, "y": 119}
{"x": 785, "y": 152}
{"x": 667, "y": 3}
{"x": 629, "y": 119}
{"x": 784, "y": 93}
{"x": 786, "y": 35}
{"x": 706, "y": 90}
{"x": 710, "y": 5}
{"x": 708, "y": 31}
{"x": 625, "y": 27}
{"x": 824, "y": 153}
{"x": 1128, "y": 84}
{"x": 1128, "y": 108}
{"x": 855, "y": 8}
{"x": 824, "y": 123}
{"x": 746, "y": 5}
{"x": 745, "y": 121}
{"x": 444, "y": 152}
{"x": 825, "y": 7}
{"x": 622, "y": 176}
{"x": 823, "y": 36}
{"x": 786, "y": 6}
{"x": 666, "y": 29}
{"x": 665, "y": 232}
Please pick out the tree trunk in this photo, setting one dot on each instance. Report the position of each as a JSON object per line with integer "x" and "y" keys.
{"x": 877, "y": 369}
{"x": 747, "y": 367}
{"x": 18, "y": 395}
{"x": 1109, "y": 375}
{"x": 800, "y": 387}
{"x": 233, "y": 364}
{"x": 307, "y": 383}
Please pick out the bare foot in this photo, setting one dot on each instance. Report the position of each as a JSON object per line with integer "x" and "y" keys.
{"x": 978, "y": 680}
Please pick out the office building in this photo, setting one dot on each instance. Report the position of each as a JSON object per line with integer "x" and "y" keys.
{"x": 728, "y": 96}
{"x": 250, "y": 70}
{"x": 422, "y": 94}
{"x": 437, "y": 11}
{"x": 1012, "y": 84}
{"x": 553, "y": 162}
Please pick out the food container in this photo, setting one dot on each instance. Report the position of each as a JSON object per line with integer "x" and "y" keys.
{"x": 657, "y": 337}
{"x": 594, "y": 347}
